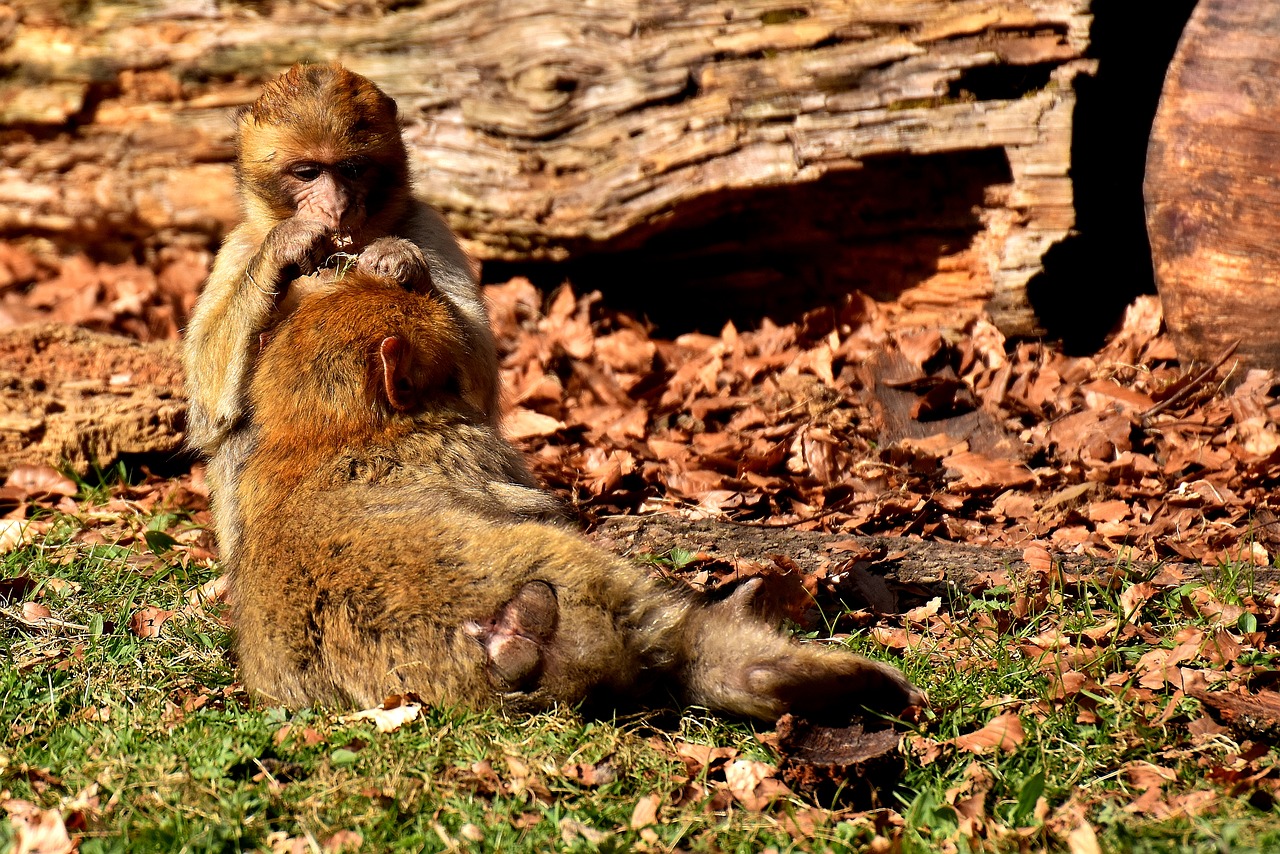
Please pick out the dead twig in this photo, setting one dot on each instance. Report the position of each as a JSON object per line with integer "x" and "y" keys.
{"x": 1195, "y": 383}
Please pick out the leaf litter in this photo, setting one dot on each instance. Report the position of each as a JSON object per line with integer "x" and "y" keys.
{"x": 842, "y": 423}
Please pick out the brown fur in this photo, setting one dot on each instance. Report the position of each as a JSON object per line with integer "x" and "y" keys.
{"x": 340, "y": 125}
{"x": 374, "y": 560}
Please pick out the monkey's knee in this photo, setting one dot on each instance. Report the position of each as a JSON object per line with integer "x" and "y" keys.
{"x": 516, "y": 638}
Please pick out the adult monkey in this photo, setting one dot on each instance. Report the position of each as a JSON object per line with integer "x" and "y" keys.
{"x": 377, "y": 559}
{"x": 321, "y": 169}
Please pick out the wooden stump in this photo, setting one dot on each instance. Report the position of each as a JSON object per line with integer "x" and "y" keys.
{"x": 73, "y": 397}
{"x": 1213, "y": 184}
{"x": 772, "y": 145}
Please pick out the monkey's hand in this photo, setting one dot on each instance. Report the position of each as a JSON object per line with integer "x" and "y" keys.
{"x": 292, "y": 248}
{"x": 399, "y": 259}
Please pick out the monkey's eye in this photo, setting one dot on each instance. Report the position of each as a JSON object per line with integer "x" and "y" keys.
{"x": 353, "y": 169}
{"x": 305, "y": 171}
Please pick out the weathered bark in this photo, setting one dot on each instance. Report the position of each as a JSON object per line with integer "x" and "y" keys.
{"x": 552, "y": 132}
{"x": 70, "y": 396}
{"x": 1212, "y": 194}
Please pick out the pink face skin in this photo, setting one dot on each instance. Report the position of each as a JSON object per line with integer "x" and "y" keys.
{"x": 331, "y": 194}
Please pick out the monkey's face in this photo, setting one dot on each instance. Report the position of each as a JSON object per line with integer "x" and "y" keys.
{"x": 332, "y": 194}
{"x": 324, "y": 144}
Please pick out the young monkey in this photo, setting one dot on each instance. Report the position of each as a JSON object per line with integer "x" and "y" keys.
{"x": 355, "y": 581}
{"x": 321, "y": 169}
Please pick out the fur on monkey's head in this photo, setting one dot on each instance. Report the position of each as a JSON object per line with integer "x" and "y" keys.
{"x": 321, "y": 113}
{"x": 351, "y": 359}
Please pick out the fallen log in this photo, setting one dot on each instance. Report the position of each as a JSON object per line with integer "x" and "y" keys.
{"x": 763, "y": 148}
{"x": 906, "y": 563}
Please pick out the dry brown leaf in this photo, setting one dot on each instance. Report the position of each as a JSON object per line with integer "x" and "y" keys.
{"x": 146, "y": 622}
{"x": 1038, "y": 559}
{"x": 1206, "y": 727}
{"x": 1134, "y": 597}
{"x": 591, "y": 775}
{"x": 1103, "y": 394}
{"x": 699, "y": 756}
{"x": 523, "y": 779}
{"x": 754, "y": 784}
{"x": 566, "y": 323}
{"x": 920, "y": 346}
{"x": 1144, "y": 775}
{"x": 1221, "y": 648}
{"x": 34, "y": 612}
{"x": 37, "y": 831}
{"x": 521, "y": 423}
{"x": 343, "y": 840}
{"x": 280, "y": 842}
{"x": 16, "y": 587}
{"x": 1082, "y": 840}
{"x": 209, "y": 593}
{"x": 59, "y": 588}
{"x": 626, "y": 350}
{"x": 15, "y": 533}
{"x": 926, "y": 750}
{"x": 40, "y": 481}
{"x": 977, "y": 472}
{"x": 646, "y": 811}
{"x": 389, "y": 715}
{"x": 893, "y": 638}
{"x": 922, "y": 613}
{"x": 572, "y": 830}
{"x": 970, "y": 798}
{"x": 1003, "y": 733}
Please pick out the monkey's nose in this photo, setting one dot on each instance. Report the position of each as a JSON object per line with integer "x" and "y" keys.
{"x": 333, "y": 210}
{"x": 328, "y": 202}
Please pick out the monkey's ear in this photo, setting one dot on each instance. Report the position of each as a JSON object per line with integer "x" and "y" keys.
{"x": 264, "y": 338}
{"x": 394, "y": 353}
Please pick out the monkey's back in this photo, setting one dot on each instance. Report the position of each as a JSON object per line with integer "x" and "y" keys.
{"x": 347, "y": 594}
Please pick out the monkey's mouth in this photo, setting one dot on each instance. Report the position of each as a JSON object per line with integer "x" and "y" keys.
{"x": 342, "y": 241}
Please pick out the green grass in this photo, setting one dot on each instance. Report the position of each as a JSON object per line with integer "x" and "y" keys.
{"x": 183, "y": 761}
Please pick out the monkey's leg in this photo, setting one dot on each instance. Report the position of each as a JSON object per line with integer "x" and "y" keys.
{"x": 735, "y": 662}
{"x": 517, "y": 635}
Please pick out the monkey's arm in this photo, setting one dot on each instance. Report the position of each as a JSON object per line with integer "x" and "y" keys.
{"x": 236, "y": 305}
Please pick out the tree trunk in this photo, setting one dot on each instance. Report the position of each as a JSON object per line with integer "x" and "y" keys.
{"x": 1213, "y": 184}
{"x": 761, "y": 146}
